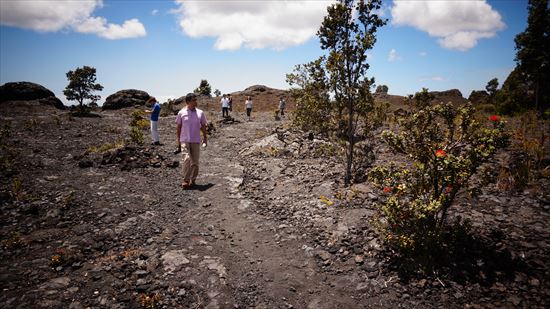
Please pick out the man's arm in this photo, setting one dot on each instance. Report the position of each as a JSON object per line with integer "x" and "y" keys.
{"x": 204, "y": 134}
{"x": 178, "y": 133}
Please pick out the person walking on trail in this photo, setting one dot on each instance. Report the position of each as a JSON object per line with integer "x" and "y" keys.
{"x": 155, "y": 112}
{"x": 282, "y": 105}
{"x": 191, "y": 121}
{"x": 248, "y": 105}
{"x": 225, "y": 106}
{"x": 230, "y": 103}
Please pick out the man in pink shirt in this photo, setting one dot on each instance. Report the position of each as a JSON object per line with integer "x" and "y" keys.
{"x": 190, "y": 122}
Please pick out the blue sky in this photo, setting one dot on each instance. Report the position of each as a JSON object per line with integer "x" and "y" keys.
{"x": 166, "y": 47}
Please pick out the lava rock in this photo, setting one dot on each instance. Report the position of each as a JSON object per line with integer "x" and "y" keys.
{"x": 27, "y": 91}
{"x": 126, "y": 98}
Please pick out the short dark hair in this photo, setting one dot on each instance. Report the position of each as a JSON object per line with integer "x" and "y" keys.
{"x": 190, "y": 97}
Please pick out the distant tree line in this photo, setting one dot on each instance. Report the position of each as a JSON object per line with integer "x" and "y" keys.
{"x": 528, "y": 85}
{"x": 82, "y": 84}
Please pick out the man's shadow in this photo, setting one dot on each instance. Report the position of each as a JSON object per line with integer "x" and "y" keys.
{"x": 201, "y": 187}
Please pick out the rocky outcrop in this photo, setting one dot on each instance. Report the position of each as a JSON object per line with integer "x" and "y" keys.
{"x": 180, "y": 100}
{"x": 27, "y": 91}
{"x": 200, "y": 98}
{"x": 479, "y": 97}
{"x": 265, "y": 99}
{"x": 452, "y": 95}
{"x": 126, "y": 98}
{"x": 256, "y": 88}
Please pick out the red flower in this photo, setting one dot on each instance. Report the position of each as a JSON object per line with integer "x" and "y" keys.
{"x": 440, "y": 153}
{"x": 494, "y": 118}
{"x": 387, "y": 189}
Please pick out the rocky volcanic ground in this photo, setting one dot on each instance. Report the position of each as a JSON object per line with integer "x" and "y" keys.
{"x": 89, "y": 223}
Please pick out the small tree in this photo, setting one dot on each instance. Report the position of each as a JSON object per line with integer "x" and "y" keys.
{"x": 382, "y": 89}
{"x": 217, "y": 92}
{"x": 346, "y": 34}
{"x": 313, "y": 105}
{"x": 82, "y": 82}
{"x": 533, "y": 52}
{"x": 204, "y": 88}
{"x": 492, "y": 88}
{"x": 445, "y": 145}
{"x": 514, "y": 96}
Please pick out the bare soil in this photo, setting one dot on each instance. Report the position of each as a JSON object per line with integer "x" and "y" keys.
{"x": 85, "y": 224}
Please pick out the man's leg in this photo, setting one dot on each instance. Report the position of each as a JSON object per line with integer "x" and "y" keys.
{"x": 186, "y": 166}
{"x": 155, "y": 131}
{"x": 191, "y": 162}
{"x": 194, "y": 151}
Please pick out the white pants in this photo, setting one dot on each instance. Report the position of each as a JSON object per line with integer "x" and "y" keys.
{"x": 155, "y": 131}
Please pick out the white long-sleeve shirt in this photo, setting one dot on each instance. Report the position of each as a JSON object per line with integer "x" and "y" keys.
{"x": 225, "y": 102}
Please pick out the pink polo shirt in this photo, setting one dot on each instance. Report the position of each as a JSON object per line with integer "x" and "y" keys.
{"x": 191, "y": 122}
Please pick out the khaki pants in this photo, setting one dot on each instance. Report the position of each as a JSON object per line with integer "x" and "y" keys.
{"x": 191, "y": 161}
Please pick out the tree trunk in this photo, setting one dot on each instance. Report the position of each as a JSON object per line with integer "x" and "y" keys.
{"x": 349, "y": 162}
{"x": 537, "y": 106}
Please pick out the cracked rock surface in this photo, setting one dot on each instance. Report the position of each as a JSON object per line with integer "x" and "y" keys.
{"x": 269, "y": 225}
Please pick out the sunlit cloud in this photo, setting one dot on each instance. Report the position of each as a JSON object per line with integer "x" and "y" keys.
{"x": 251, "y": 24}
{"x": 55, "y": 15}
{"x": 458, "y": 25}
{"x": 433, "y": 78}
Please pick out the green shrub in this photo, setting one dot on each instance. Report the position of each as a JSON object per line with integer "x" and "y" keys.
{"x": 136, "y": 135}
{"x": 444, "y": 146}
{"x": 276, "y": 116}
{"x": 167, "y": 109}
{"x": 149, "y": 301}
{"x": 139, "y": 120}
{"x": 17, "y": 191}
{"x": 107, "y": 146}
{"x": 487, "y": 108}
{"x": 14, "y": 241}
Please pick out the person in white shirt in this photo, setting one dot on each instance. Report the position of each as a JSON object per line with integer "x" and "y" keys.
{"x": 248, "y": 105}
{"x": 282, "y": 105}
{"x": 225, "y": 106}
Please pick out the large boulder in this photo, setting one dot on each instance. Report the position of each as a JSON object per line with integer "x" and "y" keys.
{"x": 27, "y": 91}
{"x": 200, "y": 98}
{"x": 479, "y": 97}
{"x": 126, "y": 98}
{"x": 256, "y": 88}
{"x": 452, "y": 95}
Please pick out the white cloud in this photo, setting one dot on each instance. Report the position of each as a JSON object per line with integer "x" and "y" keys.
{"x": 423, "y": 54}
{"x": 433, "y": 78}
{"x": 154, "y": 12}
{"x": 393, "y": 56}
{"x": 457, "y": 24}
{"x": 252, "y": 24}
{"x": 130, "y": 29}
{"x": 55, "y": 15}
